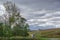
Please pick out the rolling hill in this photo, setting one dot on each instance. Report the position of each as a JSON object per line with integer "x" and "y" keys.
{"x": 48, "y": 33}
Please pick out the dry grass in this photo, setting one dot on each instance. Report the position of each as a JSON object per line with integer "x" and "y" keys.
{"x": 49, "y": 33}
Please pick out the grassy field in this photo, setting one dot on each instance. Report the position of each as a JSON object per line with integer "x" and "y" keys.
{"x": 49, "y": 33}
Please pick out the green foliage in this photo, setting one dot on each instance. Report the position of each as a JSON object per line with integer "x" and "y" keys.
{"x": 1, "y": 29}
{"x": 20, "y": 31}
{"x": 11, "y": 19}
{"x": 19, "y": 28}
{"x": 7, "y": 31}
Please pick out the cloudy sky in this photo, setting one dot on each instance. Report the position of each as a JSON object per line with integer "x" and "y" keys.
{"x": 40, "y": 14}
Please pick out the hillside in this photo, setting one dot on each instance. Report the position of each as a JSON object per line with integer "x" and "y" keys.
{"x": 49, "y": 33}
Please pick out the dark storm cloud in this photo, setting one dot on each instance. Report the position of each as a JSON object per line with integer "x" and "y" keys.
{"x": 40, "y": 4}
{"x": 39, "y": 12}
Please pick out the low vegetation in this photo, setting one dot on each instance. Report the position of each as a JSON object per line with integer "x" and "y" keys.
{"x": 15, "y": 27}
{"x": 49, "y": 33}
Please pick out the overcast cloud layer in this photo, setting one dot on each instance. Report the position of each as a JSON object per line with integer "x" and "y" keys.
{"x": 40, "y": 14}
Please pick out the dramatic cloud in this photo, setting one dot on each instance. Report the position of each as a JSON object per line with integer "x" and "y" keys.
{"x": 49, "y": 19}
{"x": 40, "y": 14}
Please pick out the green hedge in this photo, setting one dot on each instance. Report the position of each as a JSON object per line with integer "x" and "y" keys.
{"x": 18, "y": 39}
